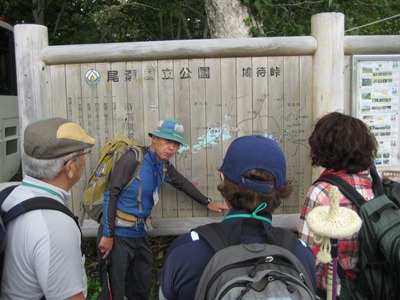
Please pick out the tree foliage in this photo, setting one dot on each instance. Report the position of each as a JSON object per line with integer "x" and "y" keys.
{"x": 90, "y": 21}
{"x": 293, "y": 18}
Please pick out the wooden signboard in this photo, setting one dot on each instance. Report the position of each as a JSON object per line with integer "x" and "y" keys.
{"x": 216, "y": 99}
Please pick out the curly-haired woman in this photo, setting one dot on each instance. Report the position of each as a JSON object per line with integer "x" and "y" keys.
{"x": 344, "y": 146}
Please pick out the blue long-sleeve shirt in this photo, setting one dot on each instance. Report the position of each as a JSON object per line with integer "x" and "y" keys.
{"x": 122, "y": 197}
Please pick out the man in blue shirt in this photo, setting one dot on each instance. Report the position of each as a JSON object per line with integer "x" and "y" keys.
{"x": 253, "y": 183}
{"x": 122, "y": 234}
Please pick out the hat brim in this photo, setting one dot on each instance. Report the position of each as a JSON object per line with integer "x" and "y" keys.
{"x": 168, "y": 137}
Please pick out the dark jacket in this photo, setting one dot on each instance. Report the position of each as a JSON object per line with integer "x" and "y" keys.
{"x": 188, "y": 256}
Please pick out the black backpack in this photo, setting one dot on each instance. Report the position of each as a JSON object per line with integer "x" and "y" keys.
{"x": 23, "y": 207}
{"x": 379, "y": 262}
{"x": 252, "y": 271}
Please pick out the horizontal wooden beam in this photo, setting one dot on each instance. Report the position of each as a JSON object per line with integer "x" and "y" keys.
{"x": 371, "y": 44}
{"x": 179, "y": 49}
{"x": 209, "y": 48}
{"x": 178, "y": 226}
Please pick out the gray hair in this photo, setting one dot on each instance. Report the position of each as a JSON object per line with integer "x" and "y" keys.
{"x": 46, "y": 169}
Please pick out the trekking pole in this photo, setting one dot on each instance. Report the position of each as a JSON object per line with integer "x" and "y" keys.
{"x": 108, "y": 262}
{"x": 329, "y": 224}
{"x": 332, "y": 271}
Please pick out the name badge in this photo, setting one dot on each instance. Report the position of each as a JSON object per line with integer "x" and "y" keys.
{"x": 156, "y": 197}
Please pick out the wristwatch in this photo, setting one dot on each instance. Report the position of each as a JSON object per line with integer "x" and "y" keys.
{"x": 209, "y": 200}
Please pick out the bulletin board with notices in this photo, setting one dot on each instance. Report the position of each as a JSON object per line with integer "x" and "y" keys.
{"x": 376, "y": 101}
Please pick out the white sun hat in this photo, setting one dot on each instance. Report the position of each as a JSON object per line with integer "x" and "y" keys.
{"x": 332, "y": 221}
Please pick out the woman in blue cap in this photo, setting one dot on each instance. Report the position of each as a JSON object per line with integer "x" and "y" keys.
{"x": 253, "y": 183}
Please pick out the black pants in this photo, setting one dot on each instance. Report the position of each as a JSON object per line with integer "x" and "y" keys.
{"x": 130, "y": 268}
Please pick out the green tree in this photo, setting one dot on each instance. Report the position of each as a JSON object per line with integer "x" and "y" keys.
{"x": 65, "y": 20}
{"x": 293, "y": 17}
{"x": 87, "y": 21}
{"x": 100, "y": 21}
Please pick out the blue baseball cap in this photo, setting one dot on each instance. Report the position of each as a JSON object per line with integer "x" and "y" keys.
{"x": 254, "y": 152}
{"x": 169, "y": 129}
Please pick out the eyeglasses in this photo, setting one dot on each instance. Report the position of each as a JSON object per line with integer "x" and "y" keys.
{"x": 78, "y": 155}
{"x": 83, "y": 153}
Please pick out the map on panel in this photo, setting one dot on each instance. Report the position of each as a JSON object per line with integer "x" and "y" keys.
{"x": 215, "y": 102}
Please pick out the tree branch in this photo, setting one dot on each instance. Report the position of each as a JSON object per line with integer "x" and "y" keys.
{"x": 58, "y": 19}
{"x": 185, "y": 26}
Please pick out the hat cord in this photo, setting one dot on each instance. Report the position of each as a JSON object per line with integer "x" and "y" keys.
{"x": 253, "y": 215}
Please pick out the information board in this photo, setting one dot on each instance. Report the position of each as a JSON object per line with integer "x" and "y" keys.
{"x": 375, "y": 90}
{"x": 216, "y": 99}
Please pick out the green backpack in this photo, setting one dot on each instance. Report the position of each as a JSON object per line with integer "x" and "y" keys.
{"x": 379, "y": 261}
{"x": 110, "y": 153}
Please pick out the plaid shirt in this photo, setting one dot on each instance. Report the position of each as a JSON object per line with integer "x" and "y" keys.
{"x": 348, "y": 249}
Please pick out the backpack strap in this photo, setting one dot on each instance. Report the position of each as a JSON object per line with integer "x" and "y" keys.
{"x": 283, "y": 237}
{"x": 353, "y": 195}
{"x": 217, "y": 235}
{"x": 350, "y": 192}
{"x": 377, "y": 184}
{"x": 4, "y": 194}
{"x": 346, "y": 188}
{"x": 220, "y": 236}
{"x": 33, "y": 204}
{"x": 392, "y": 190}
{"x": 139, "y": 154}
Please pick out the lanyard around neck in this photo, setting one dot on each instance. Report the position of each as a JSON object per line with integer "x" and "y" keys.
{"x": 252, "y": 215}
{"x": 43, "y": 189}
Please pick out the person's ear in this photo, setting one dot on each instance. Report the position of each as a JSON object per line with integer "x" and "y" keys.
{"x": 68, "y": 169}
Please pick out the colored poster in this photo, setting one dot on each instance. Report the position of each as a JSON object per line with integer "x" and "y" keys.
{"x": 377, "y": 103}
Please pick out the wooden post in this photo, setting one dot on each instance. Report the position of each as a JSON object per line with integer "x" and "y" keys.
{"x": 31, "y": 74}
{"x": 328, "y": 66}
{"x": 328, "y": 95}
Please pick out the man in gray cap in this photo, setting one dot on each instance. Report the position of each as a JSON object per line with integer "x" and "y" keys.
{"x": 128, "y": 248}
{"x": 43, "y": 257}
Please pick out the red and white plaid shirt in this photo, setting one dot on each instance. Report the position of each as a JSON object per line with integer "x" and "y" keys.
{"x": 348, "y": 249}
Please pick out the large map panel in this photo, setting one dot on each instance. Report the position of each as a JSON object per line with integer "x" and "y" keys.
{"x": 216, "y": 99}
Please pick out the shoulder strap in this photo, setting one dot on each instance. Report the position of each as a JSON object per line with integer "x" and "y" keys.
{"x": 283, "y": 237}
{"x": 215, "y": 234}
{"x": 5, "y": 192}
{"x": 139, "y": 153}
{"x": 377, "y": 184}
{"x": 346, "y": 188}
{"x": 39, "y": 203}
{"x": 220, "y": 236}
{"x": 35, "y": 204}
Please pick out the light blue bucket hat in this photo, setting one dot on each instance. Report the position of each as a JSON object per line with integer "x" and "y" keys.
{"x": 169, "y": 129}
